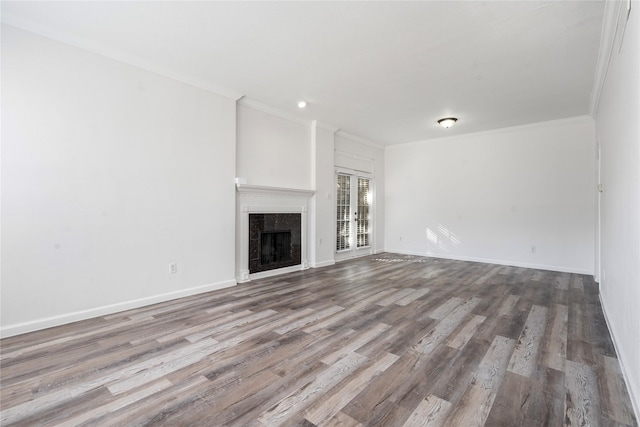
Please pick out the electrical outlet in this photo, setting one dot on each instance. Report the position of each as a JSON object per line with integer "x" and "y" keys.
{"x": 533, "y": 249}
{"x": 319, "y": 241}
{"x": 401, "y": 238}
{"x": 173, "y": 268}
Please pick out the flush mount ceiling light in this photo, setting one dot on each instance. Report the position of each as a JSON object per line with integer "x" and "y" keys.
{"x": 447, "y": 122}
{"x": 302, "y": 104}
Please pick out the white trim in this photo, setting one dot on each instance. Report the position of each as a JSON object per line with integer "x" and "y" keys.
{"x": 597, "y": 265}
{"x": 607, "y": 40}
{"x": 353, "y": 172}
{"x": 326, "y": 126}
{"x": 118, "y": 55}
{"x": 355, "y": 256}
{"x": 352, "y": 155}
{"x": 494, "y": 131}
{"x": 354, "y": 251}
{"x": 633, "y": 393}
{"x": 356, "y": 138}
{"x": 323, "y": 263}
{"x": 263, "y": 190}
{"x": 259, "y": 106}
{"x": 429, "y": 254}
{"x": 277, "y": 271}
{"x": 340, "y": 160}
{"x": 48, "y": 322}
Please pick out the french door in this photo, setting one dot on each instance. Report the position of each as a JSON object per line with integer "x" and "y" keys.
{"x": 354, "y": 234}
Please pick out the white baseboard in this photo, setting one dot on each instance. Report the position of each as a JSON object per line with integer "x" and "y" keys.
{"x": 323, "y": 263}
{"x": 559, "y": 268}
{"x": 634, "y": 394}
{"x": 275, "y": 272}
{"x": 48, "y": 322}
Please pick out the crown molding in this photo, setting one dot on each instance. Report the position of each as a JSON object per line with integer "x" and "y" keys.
{"x": 353, "y": 155}
{"x": 268, "y": 109}
{"x": 359, "y": 139}
{"x": 325, "y": 126}
{"x": 263, "y": 190}
{"x": 607, "y": 40}
{"x": 259, "y": 106}
{"x": 556, "y": 122}
{"x": 117, "y": 55}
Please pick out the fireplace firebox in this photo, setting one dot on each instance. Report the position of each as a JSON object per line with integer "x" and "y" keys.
{"x": 275, "y": 246}
{"x": 274, "y": 241}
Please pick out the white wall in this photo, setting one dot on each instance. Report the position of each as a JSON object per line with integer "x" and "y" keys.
{"x": 355, "y": 153}
{"x": 618, "y": 132}
{"x": 271, "y": 150}
{"x": 109, "y": 173}
{"x": 491, "y": 196}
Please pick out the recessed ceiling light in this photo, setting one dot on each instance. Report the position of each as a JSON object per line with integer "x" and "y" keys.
{"x": 302, "y": 104}
{"x": 447, "y": 122}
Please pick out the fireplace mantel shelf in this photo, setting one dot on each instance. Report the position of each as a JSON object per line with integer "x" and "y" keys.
{"x": 273, "y": 191}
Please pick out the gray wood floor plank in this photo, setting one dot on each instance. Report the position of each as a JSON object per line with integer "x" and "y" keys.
{"x": 409, "y": 298}
{"x": 303, "y": 397}
{"x": 340, "y": 420}
{"x": 582, "y": 402}
{"x": 462, "y": 338}
{"x": 555, "y": 345}
{"x": 523, "y": 360}
{"x": 114, "y": 405}
{"x": 440, "y": 312}
{"x": 323, "y": 410}
{"x": 155, "y": 406}
{"x": 431, "y": 412}
{"x": 473, "y": 408}
{"x": 447, "y": 325}
{"x": 614, "y": 400}
{"x": 493, "y": 365}
{"x": 525, "y": 401}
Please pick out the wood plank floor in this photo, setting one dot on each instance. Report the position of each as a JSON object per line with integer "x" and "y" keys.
{"x": 381, "y": 340}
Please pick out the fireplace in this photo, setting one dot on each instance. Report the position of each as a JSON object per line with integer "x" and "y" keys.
{"x": 272, "y": 234}
{"x": 274, "y": 241}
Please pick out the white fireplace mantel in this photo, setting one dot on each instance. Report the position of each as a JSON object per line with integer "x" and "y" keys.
{"x": 266, "y": 191}
{"x": 264, "y": 199}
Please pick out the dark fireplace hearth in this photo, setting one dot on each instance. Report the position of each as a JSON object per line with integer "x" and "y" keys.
{"x": 274, "y": 241}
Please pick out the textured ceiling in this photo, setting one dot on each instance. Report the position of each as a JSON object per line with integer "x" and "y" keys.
{"x": 385, "y": 71}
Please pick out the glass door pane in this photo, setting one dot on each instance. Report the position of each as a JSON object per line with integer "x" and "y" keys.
{"x": 343, "y": 203}
{"x": 363, "y": 214}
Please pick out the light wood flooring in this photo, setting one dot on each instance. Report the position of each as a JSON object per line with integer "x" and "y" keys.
{"x": 384, "y": 340}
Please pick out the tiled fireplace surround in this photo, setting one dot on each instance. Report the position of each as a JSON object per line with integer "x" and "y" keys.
{"x": 255, "y": 199}
{"x": 274, "y": 241}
